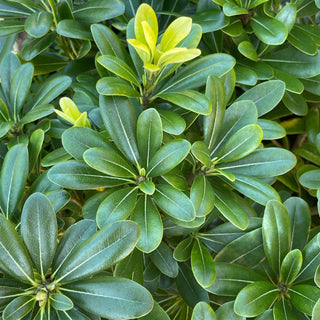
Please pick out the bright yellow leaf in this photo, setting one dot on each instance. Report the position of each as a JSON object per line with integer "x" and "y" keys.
{"x": 150, "y": 37}
{"x": 151, "y": 67}
{"x": 82, "y": 121}
{"x": 178, "y": 55}
{"x": 69, "y": 108}
{"x": 176, "y": 32}
{"x": 145, "y": 13}
{"x": 142, "y": 50}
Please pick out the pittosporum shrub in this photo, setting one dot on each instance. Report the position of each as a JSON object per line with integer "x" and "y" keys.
{"x": 159, "y": 160}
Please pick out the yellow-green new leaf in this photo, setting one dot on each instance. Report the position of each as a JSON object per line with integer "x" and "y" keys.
{"x": 150, "y": 37}
{"x": 142, "y": 50}
{"x": 178, "y": 55}
{"x": 147, "y": 14}
{"x": 175, "y": 33}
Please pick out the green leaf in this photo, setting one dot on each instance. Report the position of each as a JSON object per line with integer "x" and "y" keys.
{"x": 310, "y": 179}
{"x": 304, "y": 297}
{"x": 311, "y": 260}
{"x": 265, "y": 95}
{"x": 312, "y": 84}
{"x": 283, "y": 311}
{"x": 18, "y": 308}
{"x": 245, "y": 75}
{"x": 201, "y": 152}
{"x": 299, "y": 64}
{"x": 39, "y": 231}
{"x": 38, "y": 45}
{"x": 172, "y": 122}
{"x": 302, "y": 41}
{"x": 287, "y": 15}
{"x": 108, "y": 162}
{"x": 77, "y": 140}
{"x": 117, "y": 206}
{"x": 94, "y": 11}
{"x": 188, "y": 99}
{"x": 5, "y": 127}
{"x": 54, "y": 157}
{"x": 231, "y": 9}
{"x": 247, "y": 49}
{"x": 74, "y": 236}
{"x": 50, "y": 89}
{"x": 203, "y": 311}
{"x": 182, "y": 251}
{"x": 202, "y": 264}
{"x": 262, "y": 163}
{"x": 188, "y": 288}
{"x": 246, "y": 250}
{"x": 38, "y": 24}
{"x": 149, "y": 134}
{"x": 147, "y": 187}
{"x": 168, "y": 157}
{"x": 238, "y": 115}
{"x": 112, "y": 86}
{"x": 9, "y": 27}
{"x": 60, "y": 302}
{"x": 197, "y": 72}
{"x": 13, "y": 178}
{"x": 146, "y": 215}
{"x": 293, "y": 84}
{"x": 20, "y": 86}
{"x": 276, "y": 233}
{"x": 231, "y": 278}
{"x": 202, "y": 196}
{"x": 255, "y": 298}
{"x": 230, "y": 208}
{"x": 109, "y": 44}
{"x": 74, "y": 29}
{"x": 35, "y": 147}
{"x": 271, "y": 129}
{"x": 295, "y": 103}
{"x": 10, "y": 9}
{"x": 300, "y": 219}
{"x": 78, "y": 175}
{"x": 110, "y": 297}
{"x": 157, "y": 313}
{"x": 290, "y": 266}
{"x": 162, "y": 258}
{"x": 268, "y": 30}
{"x": 174, "y": 203}
{"x": 213, "y": 122}
{"x": 241, "y": 143}
{"x": 226, "y": 311}
{"x": 120, "y": 121}
{"x": 99, "y": 252}
{"x": 38, "y": 112}
{"x": 254, "y": 188}
{"x": 119, "y": 67}
{"x": 131, "y": 267}
{"x": 211, "y": 20}
{"x": 15, "y": 260}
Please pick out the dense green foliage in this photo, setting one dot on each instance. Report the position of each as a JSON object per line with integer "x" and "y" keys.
{"x": 159, "y": 159}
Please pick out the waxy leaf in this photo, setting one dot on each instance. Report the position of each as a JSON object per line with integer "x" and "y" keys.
{"x": 276, "y": 233}
{"x": 78, "y": 175}
{"x": 203, "y": 311}
{"x": 290, "y": 266}
{"x": 242, "y": 143}
{"x": 202, "y": 264}
{"x": 265, "y": 95}
{"x": 18, "y": 308}
{"x": 149, "y": 134}
{"x": 38, "y": 24}
{"x": 39, "y": 231}
{"x": 72, "y": 238}
{"x": 13, "y": 178}
{"x": 120, "y": 120}
{"x": 172, "y": 122}
{"x": 162, "y": 258}
{"x": 182, "y": 251}
{"x": 117, "y": 206}
{"x": 174, "y": 203}
{"x": 99, "y": 252}
{"x": 15, "y": 260}
{"x": 146, "y": 215}
{"x": 271, "y": 129}
{"x": 74, "y": 29}
{"x": 304, "y": 297}
{"x": 255, "y": 298}
{"x": 110, "y": 297}
{"x": 111, "y": 86}
{"x": 60, "y": 302}
{"x": 168, "y": 157}
{"x": 201, "y": 152}
{"x": 282, "y": 310}
{"x": 226, "y": 311}
{"x": 93, "y": 11}
{"x": 108, "y": 162}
